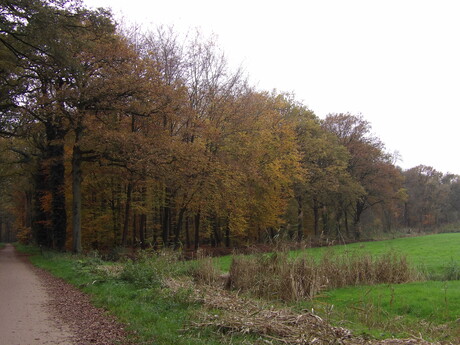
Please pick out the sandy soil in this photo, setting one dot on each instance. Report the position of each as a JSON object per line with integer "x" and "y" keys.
{"x": 37, "y": 308}
{"x": 24, "y": 314}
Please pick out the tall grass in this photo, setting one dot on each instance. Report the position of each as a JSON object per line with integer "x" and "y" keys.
{"x": 277, "y": 276}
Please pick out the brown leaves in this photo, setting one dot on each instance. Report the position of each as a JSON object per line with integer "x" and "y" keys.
{"x": 92, "y": 326}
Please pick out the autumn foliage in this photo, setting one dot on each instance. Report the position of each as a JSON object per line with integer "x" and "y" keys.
{"x": 111, "y": 138}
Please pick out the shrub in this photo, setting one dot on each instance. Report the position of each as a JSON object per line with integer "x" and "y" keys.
{"x": 24, "y": 235}
{"x": 150, "y": 269}
{"x": 143, "y": 274}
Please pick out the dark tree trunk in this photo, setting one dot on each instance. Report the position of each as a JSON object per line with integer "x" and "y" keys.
{"x": 76, "y": 197}
{"x": 40, "y": 218}
{"x": 347, "y": 228}
{"x": 28, "y": 209}
{"x": 143, "y": 219}
{"x": 216, "y": 231}
{"x": 180, "y": 221}
{"x": 360, "y": 206}
{"x": 316, "y": 217}
{"x": 227, "y": 235}
{"x": 166, "y": 225}
{"x": 142, "y": 228}
{"x": 197, "y": 230}
{"x": 187, "y": 232}
{"x": 115, "y": 207}
{"x": 299, "y": 218}
{"x": 55, "y": 157}
{"x": 129, "y": 191}
{"x": 135, "y": 226}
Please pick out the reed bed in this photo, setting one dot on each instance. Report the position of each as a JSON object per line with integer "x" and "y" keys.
{"x": 276, "y": 276}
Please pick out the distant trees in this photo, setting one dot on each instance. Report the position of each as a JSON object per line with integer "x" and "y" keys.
{"x": 153, "y": 140}
{"x": 433, "y": 198}
{"x": 369, "y": 165}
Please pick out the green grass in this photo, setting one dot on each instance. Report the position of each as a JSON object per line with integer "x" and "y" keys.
{"x": 155, "y": 315}
{"x": 428, "y": 308}
{"x": 158, "y": 316}
{"x": 436, "y": 301}
{"x": 433, "y": 254}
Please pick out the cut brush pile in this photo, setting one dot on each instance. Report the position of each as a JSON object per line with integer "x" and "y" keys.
{"x": 232, "y": 314}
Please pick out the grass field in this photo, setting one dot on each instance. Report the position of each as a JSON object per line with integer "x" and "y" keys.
{"x": 430, "y": 307}
{"x": 137, "y": 295}
{"x": 433, "y": 254}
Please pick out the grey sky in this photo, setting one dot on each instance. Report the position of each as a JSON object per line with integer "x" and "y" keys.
{"x": 396, "y": 62}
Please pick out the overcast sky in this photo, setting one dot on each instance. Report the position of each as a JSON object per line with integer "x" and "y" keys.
{"x": 396, "y": 62}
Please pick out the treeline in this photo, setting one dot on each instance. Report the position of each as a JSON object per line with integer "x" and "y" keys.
{"x": 111, "y": 137}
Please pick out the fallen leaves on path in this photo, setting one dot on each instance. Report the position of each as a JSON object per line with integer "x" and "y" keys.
{"x": 91, "y": 325}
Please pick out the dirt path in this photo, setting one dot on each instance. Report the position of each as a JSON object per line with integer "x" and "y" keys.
{"x": 37, "y": 308}
{"x": 24, "y": 314}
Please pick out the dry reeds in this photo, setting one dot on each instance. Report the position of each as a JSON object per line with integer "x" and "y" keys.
{"x": 206, "y": 272}
{"x": 276, "y": 276}
{"x": 232, "y": 314}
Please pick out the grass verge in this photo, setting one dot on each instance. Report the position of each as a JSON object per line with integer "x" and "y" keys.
{"x": 133, "y": 293}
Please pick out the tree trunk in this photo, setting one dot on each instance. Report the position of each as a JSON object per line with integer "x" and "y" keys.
{"x": 115, "y": 207}
{"x": 166, "y": 225}
{"x": 227, "y": 235}
{"x": 299, "y": 218}
{"x": 316, "y": 217}
{"x": 55, "y": 157}
{"x": 180, "y": 220}
{"x": 187, "y": 232}
{"x": 129, "y": 191}
{"x": 40, "y": 218}
{"x": 135, "y": 226}
{"x": 347, "y": 228}
{"x": 28, "y": 209}
{"x": 76, "y": 197}
{"x": 216, "y": 231}
{"x": 142, "y": 230}
{"x": 360, "y": 206}
{"x": 143, "y": 218}
{"x": 197, "y": 230}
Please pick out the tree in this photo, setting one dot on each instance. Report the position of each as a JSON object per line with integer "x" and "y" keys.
{"x": 74, "y": 71}
{"x": 369, "y": 164}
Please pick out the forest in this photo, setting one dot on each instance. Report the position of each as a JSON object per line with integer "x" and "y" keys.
{"x": 113, "y": 137}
